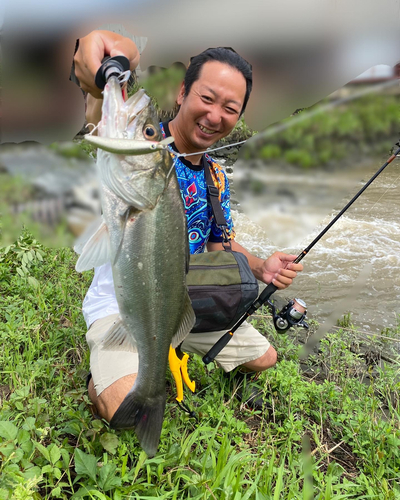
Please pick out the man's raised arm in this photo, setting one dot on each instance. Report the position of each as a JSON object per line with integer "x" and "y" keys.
{"x": 91, "y": 51}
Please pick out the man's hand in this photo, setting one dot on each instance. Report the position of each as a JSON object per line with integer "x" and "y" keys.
{"x": 93, "y": 48}
{"x": 279, "y": 270}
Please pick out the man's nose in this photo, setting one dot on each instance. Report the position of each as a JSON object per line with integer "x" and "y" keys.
{"x": 214, "y": 115}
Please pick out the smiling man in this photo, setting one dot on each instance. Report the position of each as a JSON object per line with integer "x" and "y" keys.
{"x": 212, "y": 97}
{"x": 211, "y": 107}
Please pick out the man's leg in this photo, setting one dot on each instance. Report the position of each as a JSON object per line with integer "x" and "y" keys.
{"x": 109, "y": 400}
{"x": 247, "y": 348}
{"x": 267, "y": 360}
{"x": 113, "y": 372}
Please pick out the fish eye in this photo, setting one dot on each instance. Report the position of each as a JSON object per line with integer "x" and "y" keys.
{"x": 149, "y": 131}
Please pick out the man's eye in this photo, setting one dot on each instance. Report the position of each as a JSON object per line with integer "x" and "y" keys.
{"x": 206, "y": 98}
{"x": 232, "y": 111}
{"x": 149, "y": 131}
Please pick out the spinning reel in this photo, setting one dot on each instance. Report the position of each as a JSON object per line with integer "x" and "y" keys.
{"x": 292, "y": 314}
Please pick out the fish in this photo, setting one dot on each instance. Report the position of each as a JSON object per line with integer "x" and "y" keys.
{"x": 143, "y": 233}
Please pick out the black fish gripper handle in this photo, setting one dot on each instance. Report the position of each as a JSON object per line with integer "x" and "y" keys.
{"x": 111, "y": 66}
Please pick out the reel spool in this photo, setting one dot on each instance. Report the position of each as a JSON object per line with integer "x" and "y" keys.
{"x": 292, "y": 314}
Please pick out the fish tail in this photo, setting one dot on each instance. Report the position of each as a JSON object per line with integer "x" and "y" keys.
{"x": 145, "y": 415}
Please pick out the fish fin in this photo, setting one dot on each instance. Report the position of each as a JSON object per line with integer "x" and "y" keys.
{"x": 96, "y": 251}
{"x": 117, "y": 181}
{"x": 166, "y": 141}
{"x": 186, "y": 325}
{"x": 88, "y": 232}
{"x": 145, "y": 415}
{"x": 118, "y": 338}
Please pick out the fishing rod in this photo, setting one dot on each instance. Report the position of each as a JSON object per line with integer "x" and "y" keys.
{"x": 293, "y": 313}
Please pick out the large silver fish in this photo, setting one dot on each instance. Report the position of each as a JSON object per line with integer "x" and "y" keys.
{"x": 144, "y": 236}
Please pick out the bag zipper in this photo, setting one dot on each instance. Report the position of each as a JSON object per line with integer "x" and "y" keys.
{"x": 225, "y": 266}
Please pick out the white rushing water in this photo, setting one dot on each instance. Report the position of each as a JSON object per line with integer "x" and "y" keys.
{"x": 368, "y": 234}
{"x": 286, "y": 212}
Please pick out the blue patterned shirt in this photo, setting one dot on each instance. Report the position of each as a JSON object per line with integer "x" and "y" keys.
{"x": 192, "y": 182}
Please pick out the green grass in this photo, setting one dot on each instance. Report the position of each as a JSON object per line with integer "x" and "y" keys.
{"x": 327, "y": 435}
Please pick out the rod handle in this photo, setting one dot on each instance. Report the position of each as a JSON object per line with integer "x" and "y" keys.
{"x": 265, "y": 295}
{"x": 217, "y": 348}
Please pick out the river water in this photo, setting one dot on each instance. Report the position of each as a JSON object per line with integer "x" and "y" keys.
{"x": 292, "y": 208}
{"x": 285, "y": 212}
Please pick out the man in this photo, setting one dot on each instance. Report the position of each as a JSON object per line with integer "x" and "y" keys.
{"x": 212, "y": 97}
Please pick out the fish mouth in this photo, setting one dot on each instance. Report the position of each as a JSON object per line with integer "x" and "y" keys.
{"x": 134, "y": 107}
{"x": 128, "y": 138}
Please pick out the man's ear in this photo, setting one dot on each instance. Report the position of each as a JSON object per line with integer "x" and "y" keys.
{"x": 181, "y": 94}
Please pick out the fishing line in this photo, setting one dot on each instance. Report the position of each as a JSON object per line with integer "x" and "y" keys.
{"x": 394, "y": 183}
{"x": 180, "y": 155}
{"x": 363, "y": 217}
{"x": 173, "y": 166}
{"x": 95, "y": 127}
{"x": 294, "y": 312}
{"x": 208, "y": 150}
{"x": 361, "y": 333}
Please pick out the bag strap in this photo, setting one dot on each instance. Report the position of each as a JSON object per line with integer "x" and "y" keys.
{"x": 213, "y": 193}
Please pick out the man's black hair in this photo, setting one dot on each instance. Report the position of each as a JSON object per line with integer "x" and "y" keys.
{"x": 221, "y": 54}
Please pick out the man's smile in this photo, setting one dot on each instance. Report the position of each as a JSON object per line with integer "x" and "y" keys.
{"x": 206, "y": 130}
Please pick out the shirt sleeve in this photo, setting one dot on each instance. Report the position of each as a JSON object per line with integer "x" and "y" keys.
{"x": 221, "y": 181}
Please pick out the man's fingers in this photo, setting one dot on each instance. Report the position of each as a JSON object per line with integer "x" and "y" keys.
{"x": 285, "y": 257}
{"x": 287, "y": 273}
{"x": 283, "y": 281}
{"x": 295, "y": 267}
{"x": 279, "y": 284}
{"x": 92, "y": 50}
{"x": 127, "y": 48}
{"x": 288, "y": 269}
{"x": 117, "y": 45}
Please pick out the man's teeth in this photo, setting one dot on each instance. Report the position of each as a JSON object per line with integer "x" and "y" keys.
{"x": 206, "y": 130}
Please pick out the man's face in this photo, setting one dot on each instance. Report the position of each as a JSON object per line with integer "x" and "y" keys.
{"x": 211, "y": 109}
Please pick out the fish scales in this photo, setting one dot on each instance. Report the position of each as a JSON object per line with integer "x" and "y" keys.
{"x": 144, "y": 235}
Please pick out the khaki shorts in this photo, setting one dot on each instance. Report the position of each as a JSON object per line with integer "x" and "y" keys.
{"x": 247, "y": 344}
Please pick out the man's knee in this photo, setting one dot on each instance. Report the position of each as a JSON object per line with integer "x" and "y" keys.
{"x": 109, "y": 400}
{"x": 270, "y": 358}
{"x": 267, "y": 360}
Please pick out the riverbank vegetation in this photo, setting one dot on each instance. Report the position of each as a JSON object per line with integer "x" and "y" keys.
{"x": 330, "y": 429}
{"x": 332, "y": 131}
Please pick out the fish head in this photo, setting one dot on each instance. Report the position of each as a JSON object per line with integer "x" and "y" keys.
{"x": 118, "y": 117}
{"x": 143, "y": 128}
{"x": 142, "y": 121}
{"x": 140, "y": 178}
